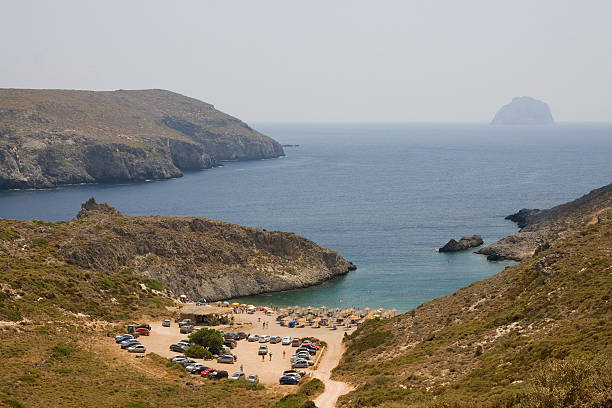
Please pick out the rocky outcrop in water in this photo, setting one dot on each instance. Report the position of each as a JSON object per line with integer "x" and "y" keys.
{"x": 524, "y": 110}
{"x": 463, "y": 244}
{"x": 54, "y": 137}
{"x": 539, "y": 228}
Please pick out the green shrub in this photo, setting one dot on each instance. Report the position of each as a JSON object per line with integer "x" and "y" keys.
{"x": 153, "y": 284}
{"x": 197, "y": 351}
{"x": 209, "y": 338}
{"x": 8, "y": 234}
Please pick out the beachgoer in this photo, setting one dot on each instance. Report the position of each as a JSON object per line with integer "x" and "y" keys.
{"x": 241, "y": 368}
{"x": 270, "y": 356}
{"x": 259, "y": 319}
{"x": 283, "y": 354}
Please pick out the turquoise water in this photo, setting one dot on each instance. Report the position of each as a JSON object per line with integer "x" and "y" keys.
{"x": 384, "y": 196}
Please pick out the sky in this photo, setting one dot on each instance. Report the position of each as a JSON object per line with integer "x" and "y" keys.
{"x": 323, "y": 61}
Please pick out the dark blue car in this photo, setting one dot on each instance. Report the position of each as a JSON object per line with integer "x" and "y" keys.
{"x": 289, "y": 380}
{"x": 119, "y": 339}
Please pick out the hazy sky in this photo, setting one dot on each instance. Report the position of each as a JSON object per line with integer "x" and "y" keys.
{"x": 347, "y": 61}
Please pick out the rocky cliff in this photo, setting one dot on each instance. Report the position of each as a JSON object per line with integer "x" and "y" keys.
{"x": 524, "y": 110}
{"x": 539, "y": 228}
{"x": 197, "y": 257}
{"x": 54, "y": 137}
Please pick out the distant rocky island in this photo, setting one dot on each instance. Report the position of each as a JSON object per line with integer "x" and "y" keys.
{"x": 463, "y": 244}
{"x": 55, "y": 137}
{"x": 524, "y": 110}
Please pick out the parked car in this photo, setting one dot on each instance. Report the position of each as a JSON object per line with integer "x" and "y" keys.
{"x": 185, "y": 343}
{"x": 207, "y": 371}
{"x": 299, "y": 373}
{"x": 226, "y": 359}
{"x": 129, "y": 343}
{"x": 254, "y": 378}
{"x": 286, "y": 341}
{"x": 119, "y": 339}
{"x": 143, "y": 326}
{"x": 217, "y": 374}
{"x": 143, "y": 331}
{"x": 289, "y": 380}
{"x": 262, "y": 339}
{"x": 238, "y": 377}
{"x": 186, "y": 329}
{"x": 240, "y": 336}
{"x": 166, "y": 323}
{"x": 295, "y": 343}
{"x": 179, "y": 348}
{"x": 176, "y": 357}
{"x": 230, "y": 343}
{"x": 308, "y": 350}
{"x": 263, "y": 350}
{"x": 137, "y": 348}
{"x": 185, "y": 322}
{"x": 200, "y": 369}
{"x": 195, "y": 368}
{"x": 228, "y": 335}
{"x": 186, "y": 362}
{"x": 275, "y": 339}
{"x": 253, "y": 337}
{"x": 216, "y": 351}
{"x": 300, "y": 364}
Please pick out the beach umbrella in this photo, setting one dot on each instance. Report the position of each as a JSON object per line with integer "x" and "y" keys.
{"x": 226, "y": 303}
{"x": 354, "y": 317}
{"x": 366, "y": 308}
{"x": 243, "y": 305}
{"x": 235, "y": 304}
{"x": 323, "y": 307}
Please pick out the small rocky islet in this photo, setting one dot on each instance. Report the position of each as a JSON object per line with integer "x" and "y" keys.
{"x": 463, "y": 244}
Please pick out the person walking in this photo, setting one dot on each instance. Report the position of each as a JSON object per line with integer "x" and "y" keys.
{"x": 270, "y": 356}
{"x": 241, "y": 368}
{"x": 263, "y": 358}
{"x": 283, "y": 354}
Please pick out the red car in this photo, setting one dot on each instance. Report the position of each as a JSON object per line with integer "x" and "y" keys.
{"x": 142, "y": 331}
{"x": 207, "y": 371}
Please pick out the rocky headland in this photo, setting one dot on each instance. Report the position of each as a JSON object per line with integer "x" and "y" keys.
{"x": 55, "y": 137}
{"x": 197, "y": 257}
{"x": 540, "y": 228}
{"x": 463, "y": 244}
{"x": 524, "y": 110}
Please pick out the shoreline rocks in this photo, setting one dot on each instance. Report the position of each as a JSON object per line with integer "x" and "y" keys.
{"x": 463, "y": 244}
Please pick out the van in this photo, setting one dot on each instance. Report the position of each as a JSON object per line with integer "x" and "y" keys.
{"x": 295, "y": 343}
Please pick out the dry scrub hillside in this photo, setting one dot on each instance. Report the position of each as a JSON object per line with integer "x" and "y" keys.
{"x": 538, "y": 334}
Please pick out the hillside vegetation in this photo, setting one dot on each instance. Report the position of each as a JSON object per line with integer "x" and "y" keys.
{"x": 538, "y": 334}
{"x": 54, "y": 137}
{"x": 104, "y": 263}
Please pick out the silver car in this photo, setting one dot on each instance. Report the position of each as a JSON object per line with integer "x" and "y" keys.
{"x": 138, "y": 348}
{"x": 254, "y": 378}
{"x": 286, "y": 341}
{"x": 166, "y": 323}
{"x": 226, "y": 358}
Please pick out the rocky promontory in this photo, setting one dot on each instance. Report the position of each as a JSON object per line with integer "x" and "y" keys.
{"x": 54, "y": 137}
{"x": 540, "y": 228}
{"x": 463, "y": 244}
{"x": 524, "y": 110}
{"x": 197, "y": 257}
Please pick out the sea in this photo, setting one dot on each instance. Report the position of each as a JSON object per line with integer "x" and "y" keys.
{"x": 384, "y": 196}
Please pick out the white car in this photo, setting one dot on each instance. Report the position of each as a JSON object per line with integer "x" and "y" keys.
{"x": 253, "y": 337}
{"x": 137, "y": 348}
{"x": 286, "y": 341}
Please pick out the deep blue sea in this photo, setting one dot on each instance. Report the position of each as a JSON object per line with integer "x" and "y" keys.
{"x": 384, "y": 196}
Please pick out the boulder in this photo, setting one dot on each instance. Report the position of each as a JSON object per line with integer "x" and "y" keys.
{"x": 463, "y": 244}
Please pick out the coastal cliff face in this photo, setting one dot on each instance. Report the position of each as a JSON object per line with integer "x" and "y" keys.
{"x": 524, "y": 110}
{"x": 540, "y": 228}
{"x": 55, "y": 137}
{"x": 196, "y": 257}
